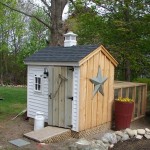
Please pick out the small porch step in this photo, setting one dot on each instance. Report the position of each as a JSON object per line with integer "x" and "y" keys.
{"x": 49, "y": 134}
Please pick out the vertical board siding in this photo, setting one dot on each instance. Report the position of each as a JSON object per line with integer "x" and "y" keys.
{"x": 55, "y": 96}
{"x": 61, "y": 91}
{"x": 88, "y": 108}
{"x": 68, "y": 93}
{"x": 95, "y": 98}
{"x": 75, "y": 103}
{"x": 62, "y": 98}
{"x": 37, "y": 101}
{"x": 111, "y": 91}
{"x": 106, "y": 90}
{"x": 83, "y": 96}
{"x": 95, "y": 110}
{"x": 50, "y": 101}
{"x": 100, "y": 99}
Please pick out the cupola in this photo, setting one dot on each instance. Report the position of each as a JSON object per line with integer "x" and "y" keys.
{"x": 70, "y": 39}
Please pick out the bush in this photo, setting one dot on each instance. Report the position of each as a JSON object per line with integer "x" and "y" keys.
{"x": 143, "y": 80}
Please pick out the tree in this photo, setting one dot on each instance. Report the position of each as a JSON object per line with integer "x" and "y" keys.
{"x": 53, "y": 9}
{"x": 11, "y": 35}
{"x": 121, "y": 26}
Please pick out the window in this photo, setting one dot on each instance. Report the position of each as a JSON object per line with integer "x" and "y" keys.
{"x": 37, "y": 84}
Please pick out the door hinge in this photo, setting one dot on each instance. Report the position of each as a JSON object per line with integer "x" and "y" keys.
{"x": 72, "y": 68}
{"x": 71, "y": 98}
{"x": 50, "y": 95}
{"x": 70, "y": 126}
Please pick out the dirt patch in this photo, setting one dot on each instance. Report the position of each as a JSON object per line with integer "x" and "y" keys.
{"x": 14, "y": 129}
{"x": 133, "y": 144}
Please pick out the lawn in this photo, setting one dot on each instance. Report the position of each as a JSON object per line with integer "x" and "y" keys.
{"x": 14, "y": 101}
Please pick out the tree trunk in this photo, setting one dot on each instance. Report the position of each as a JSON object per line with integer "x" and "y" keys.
{"x": 57, "y": 7}
{"x": 127, "y": 71}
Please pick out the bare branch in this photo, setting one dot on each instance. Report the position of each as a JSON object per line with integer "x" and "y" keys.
{"x": 35, "y": 5}
{"x": 46, "y": 4}
{"x": 24, "y": 13}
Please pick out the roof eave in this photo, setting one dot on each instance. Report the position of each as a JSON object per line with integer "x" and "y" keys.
{"x": 103, "y": 49}
{"x": 51, "y": 63}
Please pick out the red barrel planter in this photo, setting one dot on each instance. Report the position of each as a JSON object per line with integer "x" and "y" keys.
{"x": 123, "y": 114}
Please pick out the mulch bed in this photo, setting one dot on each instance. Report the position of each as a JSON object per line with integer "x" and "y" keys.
{"x": 133, "y": 144}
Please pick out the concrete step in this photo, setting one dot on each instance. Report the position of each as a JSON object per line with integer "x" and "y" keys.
{"x": 49, "y": 134}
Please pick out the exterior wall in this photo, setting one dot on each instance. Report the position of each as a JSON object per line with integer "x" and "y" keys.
{"x": 97, "y": 110}
{"x": 37, "y": 101}
{"x": 75, "y": 103}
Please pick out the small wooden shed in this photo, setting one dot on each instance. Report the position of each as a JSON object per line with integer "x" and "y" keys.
{"x": 59, "y": 84}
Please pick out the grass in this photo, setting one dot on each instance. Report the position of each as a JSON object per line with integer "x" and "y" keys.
{"x": 14, "y": 101}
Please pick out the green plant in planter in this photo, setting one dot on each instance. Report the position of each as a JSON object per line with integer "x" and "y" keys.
{"x": 125, "y": 100}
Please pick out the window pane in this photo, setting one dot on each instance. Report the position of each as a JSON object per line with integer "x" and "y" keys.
{"x": 35, "y": 79}
{"x": 73, "y": 38}
{"x": 39, "y": 87}
{"x": 35, "y": 86}
{"x": 39, "y": 80}
{"x": 67, "y": 38}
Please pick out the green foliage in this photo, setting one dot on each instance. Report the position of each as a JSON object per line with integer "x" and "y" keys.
{"x": 20, "y": 37}
{"x": 14, "y": 101}
{"x": 143, "y": 80}
{"x": 123, "y": 28}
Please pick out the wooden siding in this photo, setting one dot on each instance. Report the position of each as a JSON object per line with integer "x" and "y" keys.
{"x": 37, "y": 101}
{"x": 94, "y": 111}
{"x": 136, "y": 91}
{"x": 75, "y": 103}
{"x": 96, "y": 51}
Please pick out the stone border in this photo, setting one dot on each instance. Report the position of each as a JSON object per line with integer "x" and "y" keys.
{"x": 109, "y": 139}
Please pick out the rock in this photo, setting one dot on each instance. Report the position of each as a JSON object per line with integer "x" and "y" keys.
{"x": 135, "y": 132}
{"x": 110, "y": 137}
{"x": 73, "y": 147}
{"x": 105, "y": 140}
{"x": 118, "y": 138}
{"x": 147, "y": 131}
{"x": 130, "y": 132}
{"x": 147, "y": 136}
{"x": 125, "y": 137}
{"x": 98, "y": 144}
{"x": 141, "y": 131}
{"x": 139, "y": 137}
{"x": 120, "y": 133}
{"x": 84, "y": 147}
{"x": 111, "y": 146}
{"x": 83, "y": 142}
{"x": 1, "y": 147}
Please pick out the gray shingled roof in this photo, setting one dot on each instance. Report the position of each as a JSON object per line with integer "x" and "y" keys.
{"x": 61, "y": 54}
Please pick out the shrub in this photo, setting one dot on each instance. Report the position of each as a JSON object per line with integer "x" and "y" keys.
{"x": 143, "y": 80}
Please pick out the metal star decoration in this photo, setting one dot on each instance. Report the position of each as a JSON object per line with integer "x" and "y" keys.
{"x": 98, "y": 83}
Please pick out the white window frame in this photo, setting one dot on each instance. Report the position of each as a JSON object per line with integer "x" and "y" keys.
{"x": 37, "y": 84}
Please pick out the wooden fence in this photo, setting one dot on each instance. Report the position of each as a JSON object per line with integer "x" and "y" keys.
{"x": 136, "y": 91}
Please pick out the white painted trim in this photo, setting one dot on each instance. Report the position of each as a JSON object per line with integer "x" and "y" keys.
{"x": 52, "y": 63}
{"x": 75, "y": 103}
{"x": 28, "y": 91}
